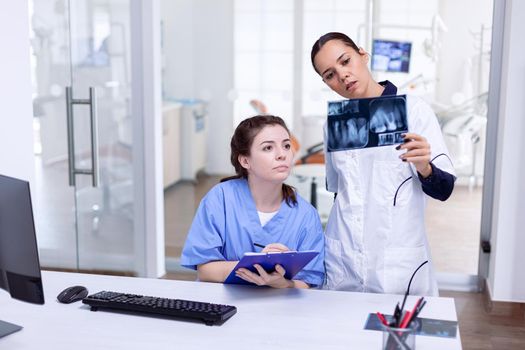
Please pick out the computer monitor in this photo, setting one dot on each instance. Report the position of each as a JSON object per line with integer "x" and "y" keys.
{"x": 19, "y": 263}
{"x": 391, "y": 56}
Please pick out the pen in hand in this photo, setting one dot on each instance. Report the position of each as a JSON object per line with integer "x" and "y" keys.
{"x": 273, "y": 247}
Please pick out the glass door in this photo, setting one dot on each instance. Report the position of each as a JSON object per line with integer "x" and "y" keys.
{"x": 83, "y": 136}
{"x": 53, "y": 198}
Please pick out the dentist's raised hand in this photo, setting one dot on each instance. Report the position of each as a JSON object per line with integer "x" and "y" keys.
{"x": 417, "y": 152}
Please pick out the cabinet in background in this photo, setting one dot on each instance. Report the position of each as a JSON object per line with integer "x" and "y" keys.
{"x": 171, "y": 122}
{"x": 194, "y": 130}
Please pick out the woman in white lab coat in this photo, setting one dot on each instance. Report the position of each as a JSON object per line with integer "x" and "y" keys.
{"x": 375, "y": 235}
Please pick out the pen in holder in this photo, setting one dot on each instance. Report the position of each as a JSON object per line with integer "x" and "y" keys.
{"x": 399, "y": 338}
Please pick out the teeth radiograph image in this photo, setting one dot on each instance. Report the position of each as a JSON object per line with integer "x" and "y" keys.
{"x": 385, "y": 116}
{"x": 369, "y": 122}
{"x": 349, "y": 133}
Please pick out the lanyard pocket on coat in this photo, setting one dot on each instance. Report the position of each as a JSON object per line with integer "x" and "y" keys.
{"x": 391, "y": 183}
{"x": 400, "y": 263}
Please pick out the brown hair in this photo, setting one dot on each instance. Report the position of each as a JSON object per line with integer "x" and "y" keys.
{"x": 242, "y": 141}
{"x": 326, "y": 38}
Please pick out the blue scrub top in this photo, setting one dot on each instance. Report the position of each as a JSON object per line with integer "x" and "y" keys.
{"x": 227, "y": 224}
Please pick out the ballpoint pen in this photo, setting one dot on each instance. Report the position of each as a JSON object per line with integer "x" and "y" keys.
{"x": 406, "y": 319}
{"x": 421, "y": 306}
{"x": 259, "y": 245}
{"x": 410, "y": 314}
{"x": 413, "y": 314}
{"x": 416, "y": 313}
{"x": 396, "y": 316}
{"x": 382, "y": 318}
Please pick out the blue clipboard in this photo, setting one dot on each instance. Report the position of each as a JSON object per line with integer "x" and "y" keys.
{"x": 291, "y": 261}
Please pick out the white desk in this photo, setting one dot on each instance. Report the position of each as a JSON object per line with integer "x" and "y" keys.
{"x": 266, "y": 318}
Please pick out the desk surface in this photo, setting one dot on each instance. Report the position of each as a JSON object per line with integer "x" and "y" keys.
{"x": 266, "y": 318}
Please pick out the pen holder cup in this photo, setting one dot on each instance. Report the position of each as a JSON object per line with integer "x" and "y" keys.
{"x": 399, "y": 338}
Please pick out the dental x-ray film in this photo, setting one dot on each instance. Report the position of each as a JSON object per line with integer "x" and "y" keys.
{"x": 366, "y": 122}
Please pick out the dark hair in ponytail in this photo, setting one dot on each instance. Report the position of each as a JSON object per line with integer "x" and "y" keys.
{"x": 242, "y": 141}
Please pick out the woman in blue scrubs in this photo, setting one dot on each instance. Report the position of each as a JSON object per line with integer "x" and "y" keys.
{"x": 255, "y": 206}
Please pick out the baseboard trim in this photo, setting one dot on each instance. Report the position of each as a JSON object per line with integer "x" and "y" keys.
{"x": 501, "y": 308}
{"x": 457, "y": 282}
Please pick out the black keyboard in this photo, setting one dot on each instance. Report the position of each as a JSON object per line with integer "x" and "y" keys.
{"x": 185, "y": 309}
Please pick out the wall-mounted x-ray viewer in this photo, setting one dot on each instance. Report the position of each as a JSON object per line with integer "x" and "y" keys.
{"x": 391, "y": 56}
{"x": 366, "y": 122}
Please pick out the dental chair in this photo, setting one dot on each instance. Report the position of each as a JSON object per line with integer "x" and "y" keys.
{"x": 464, "y": 135}
{"x": 463, "y": 129}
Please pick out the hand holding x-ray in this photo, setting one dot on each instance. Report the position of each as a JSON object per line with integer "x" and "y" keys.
{"x": 417, "y": 152}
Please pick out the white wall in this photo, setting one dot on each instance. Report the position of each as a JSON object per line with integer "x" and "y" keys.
{"x": 178, "y": 43}
{"x": 147, "y": 129}
{"x": 16, "y": 117}
{"x": 198, "y": 63}
{"x": 213, "y": 28}
{"x": 506, "y": 279}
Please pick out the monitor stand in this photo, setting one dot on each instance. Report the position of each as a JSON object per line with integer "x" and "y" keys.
{"x": 7, "y": 328}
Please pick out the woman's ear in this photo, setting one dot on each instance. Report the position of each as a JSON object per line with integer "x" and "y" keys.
{"x": 243, "y": 161}
{"x": 366, "y": 55}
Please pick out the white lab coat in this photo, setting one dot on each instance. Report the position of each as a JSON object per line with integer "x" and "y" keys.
{"x": 372, "y": 245}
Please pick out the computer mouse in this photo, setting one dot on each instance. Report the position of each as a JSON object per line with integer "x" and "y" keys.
{"x": 72, "y": 294}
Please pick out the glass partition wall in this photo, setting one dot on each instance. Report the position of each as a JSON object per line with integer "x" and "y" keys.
{"x": 271, "y": 45}
{"x": 84, "y": 149}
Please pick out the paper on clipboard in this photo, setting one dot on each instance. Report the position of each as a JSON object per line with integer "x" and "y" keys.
{"x": 291, "y": 261}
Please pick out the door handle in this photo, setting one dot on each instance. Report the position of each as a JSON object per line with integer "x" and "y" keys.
{"x": 92, "y": 102}
{"x": 70, "y": 137}
{"x": 94, "y": 135}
